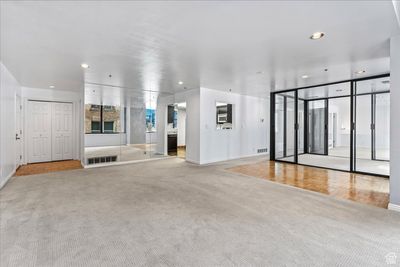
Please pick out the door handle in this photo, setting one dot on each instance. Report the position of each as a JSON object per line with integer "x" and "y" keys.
{"x": 17, "y": 137}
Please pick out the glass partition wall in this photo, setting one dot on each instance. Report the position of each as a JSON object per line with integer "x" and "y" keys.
{"x": 120, "y": 125}
{"x": 342, "y": 126}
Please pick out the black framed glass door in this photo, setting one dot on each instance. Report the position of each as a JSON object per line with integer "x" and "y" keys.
{"x": 284, "y": 133}
{"x": 341, "y": 126}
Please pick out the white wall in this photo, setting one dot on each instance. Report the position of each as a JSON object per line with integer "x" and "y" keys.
{"x": 95, "y": 140}
{"x": 9, "y": 88}
{"x": 161, "y": 123}
{"x": 76, "y": 98}
{"x": 250, "y": 126}
{"x": 192, "y": 137}
{"x": 181, "y": 127}
{"x": 394, "y": 121}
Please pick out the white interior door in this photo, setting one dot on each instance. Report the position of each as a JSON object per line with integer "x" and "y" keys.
{"x": 39, "y": 127}
{"x": 18, "y": 132}
{"x": 62, "y": 131}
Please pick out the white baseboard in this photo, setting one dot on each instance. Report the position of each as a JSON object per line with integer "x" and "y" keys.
{"x": 233, "y": 158}
{"x": 394, "y": 207}
{"x": 3, "y": 183}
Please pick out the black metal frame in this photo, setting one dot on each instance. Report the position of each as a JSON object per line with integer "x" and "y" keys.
{"x": 353, "y": 105}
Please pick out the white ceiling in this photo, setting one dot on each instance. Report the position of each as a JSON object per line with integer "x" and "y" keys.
{"x": 221, "y": 45}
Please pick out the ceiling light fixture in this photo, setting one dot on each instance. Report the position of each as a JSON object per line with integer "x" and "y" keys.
{"x": 84, "y": 65}
{"x": 180, "y": 82}
{"x": 317, "y": 35}
{"x": 304, "y": 76}
{"x": 360, "y": 72}
{"x": 52, "y": 86}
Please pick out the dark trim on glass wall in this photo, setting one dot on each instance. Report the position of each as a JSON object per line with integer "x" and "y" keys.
{"x": 284, "y": 126}
{"x": 272, "y": 127}
{"x": 326, "y": 128}
{"x": 352, "y": 128}
{"x": 305, "y": 126}
{"x": 353, "y": 104}
{"x": 296, "y": 127}
{"x": 333, "y": 83}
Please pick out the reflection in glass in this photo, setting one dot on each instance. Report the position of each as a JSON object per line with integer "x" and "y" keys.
{"x": 325, "y": 128}
{"x": 285, "y": 126}
{"x": 382, "y": 127}
{"x": 316, "y": 126}
{"x": 120, "y": 125}
{"x": 223, "y": 115}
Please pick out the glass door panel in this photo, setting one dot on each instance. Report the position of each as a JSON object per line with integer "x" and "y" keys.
{"x": 285, "y": 126}
{"x": 339, "y": 133}
{"x": 382, "y": 126}
{"x": 363, "y": 133}
{"x": 317, "y": 127}
{"x": 300, "y": 121}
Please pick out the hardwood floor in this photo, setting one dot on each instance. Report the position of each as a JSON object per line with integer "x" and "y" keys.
{"x": 45, "y": 167}
{"x": 366, "y": 189}
{"x": 182, "y": 152}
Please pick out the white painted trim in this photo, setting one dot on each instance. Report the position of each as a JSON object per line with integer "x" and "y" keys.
{"x": 192, "y": 161}
{"x": 4, "y": 182}
{"x": 241, "y": 157}
{"x": 123, "y": 162}
{"x": 394, "y": 207}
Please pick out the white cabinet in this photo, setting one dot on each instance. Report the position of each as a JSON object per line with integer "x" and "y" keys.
{"x": 50, "y": 131}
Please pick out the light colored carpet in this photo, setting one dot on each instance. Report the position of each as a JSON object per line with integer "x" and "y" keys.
{"x": 171, "y": 213}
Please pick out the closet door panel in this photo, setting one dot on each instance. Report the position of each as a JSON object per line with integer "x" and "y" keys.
{"x": 39, "y": 128}
{"x": 62, "y": 131}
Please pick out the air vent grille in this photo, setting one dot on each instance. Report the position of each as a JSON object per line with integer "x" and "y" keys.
{"x": 105, "y": 159}
{"x": 262, "y": 150}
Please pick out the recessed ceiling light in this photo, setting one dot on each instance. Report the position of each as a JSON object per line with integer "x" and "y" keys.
{"x": 52, "y": 86}
{"x": 84, "y": 65}
{"x": 180, "y": 82}
{"x": 360, "y": 72}
{"x": 304, "y": 76}
{"x": 317, "y": 35}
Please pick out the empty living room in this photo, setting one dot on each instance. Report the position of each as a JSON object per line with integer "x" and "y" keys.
{"x": 200, "y": 133}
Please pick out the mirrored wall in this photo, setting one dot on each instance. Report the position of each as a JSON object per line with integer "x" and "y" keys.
{"x": 342, "y": 126}
{"x": 120, "y": 125}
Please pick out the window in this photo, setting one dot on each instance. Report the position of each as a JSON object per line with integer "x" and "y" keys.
{"x": 95, "y": 127}
{"x": 104, "y": 119}
{"x": 150, "y": 120}
{"x": 108, "y": 126}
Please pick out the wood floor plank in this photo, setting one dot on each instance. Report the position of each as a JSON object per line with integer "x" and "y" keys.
{"x": 368, "y": 189}
{"x": 45, "y": 167}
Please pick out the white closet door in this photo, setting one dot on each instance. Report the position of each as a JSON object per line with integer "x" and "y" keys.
{"x": 62, "y": 131}
{"x": 39, "y": 145}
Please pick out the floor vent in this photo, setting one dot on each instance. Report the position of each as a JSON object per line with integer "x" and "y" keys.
{"x": 262, "y": 150}
{"x": 104, "y": 159}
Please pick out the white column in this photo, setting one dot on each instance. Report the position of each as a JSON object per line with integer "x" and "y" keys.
{"x": 394, "y": 123}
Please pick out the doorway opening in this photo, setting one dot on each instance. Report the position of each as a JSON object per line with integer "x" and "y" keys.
{"x": 176, "y": 130}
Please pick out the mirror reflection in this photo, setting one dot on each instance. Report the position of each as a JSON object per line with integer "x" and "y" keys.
{"x": 224, "y": 115}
